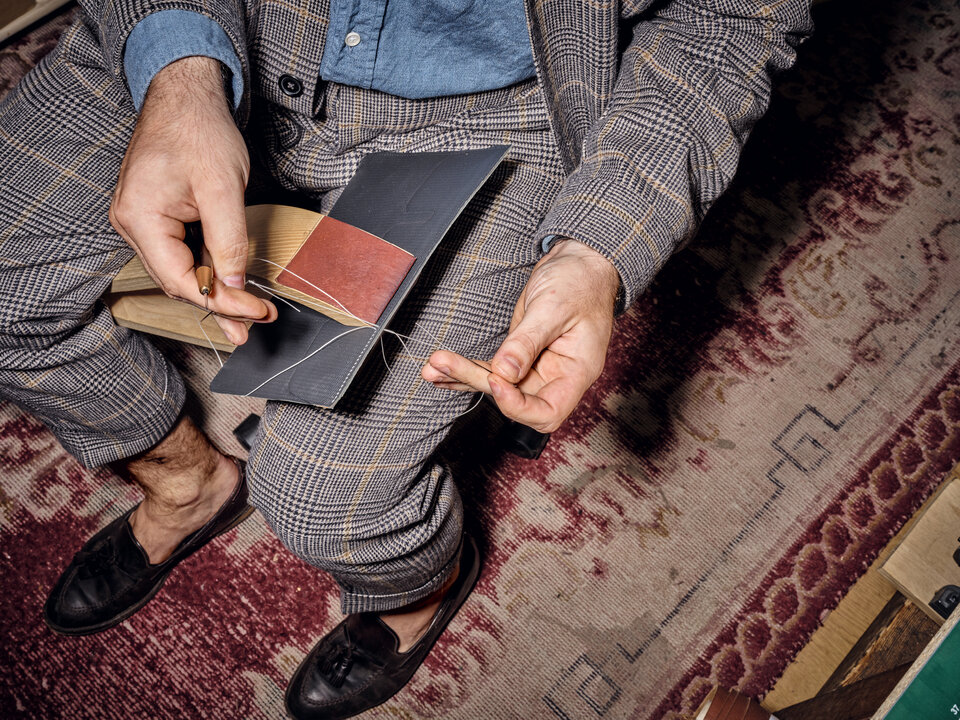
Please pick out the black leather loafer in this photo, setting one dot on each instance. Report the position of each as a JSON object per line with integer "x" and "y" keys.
{"x": 111, "y": 577}
{"x": 356, "y": 666}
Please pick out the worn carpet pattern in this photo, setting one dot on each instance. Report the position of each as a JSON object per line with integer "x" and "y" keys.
{"x": 779, "y": 403}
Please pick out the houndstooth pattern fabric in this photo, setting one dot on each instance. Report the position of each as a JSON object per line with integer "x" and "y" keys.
{"x": 357, "y": 490}
{"x": 103, "y": 390}
{"x": 622, "y": 152}
{"x": 650, "y": 135}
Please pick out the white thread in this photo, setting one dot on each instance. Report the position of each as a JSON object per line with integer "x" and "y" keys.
{"x": 301, "y": 360}
{"x": 280, "y": 295}
{"x": 471, "y": 408}
{"x": 271, "y": 292}
{"x": 383, "y": 354}
{"x": 166, "y": 380}
{"x": 410, "y": 355}
{"x": 288, "y": 270}
{"x": 200, "y": 325}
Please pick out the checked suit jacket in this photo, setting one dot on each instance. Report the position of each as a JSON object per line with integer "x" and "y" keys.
{"x": 650, "y": 102}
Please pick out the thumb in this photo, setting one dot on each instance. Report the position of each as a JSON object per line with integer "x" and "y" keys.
{"x": 540, "y": 326}
{"x": 225, "y": 233}
{"x": 225, "y": 236}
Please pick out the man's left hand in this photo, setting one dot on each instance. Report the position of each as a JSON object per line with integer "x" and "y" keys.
{"x": 557, "y": 342}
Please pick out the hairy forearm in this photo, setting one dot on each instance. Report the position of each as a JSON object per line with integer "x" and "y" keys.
{"x": 188, "y": 84}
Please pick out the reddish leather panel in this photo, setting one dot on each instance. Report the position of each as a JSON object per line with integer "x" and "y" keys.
{"x": 360, "y": 270}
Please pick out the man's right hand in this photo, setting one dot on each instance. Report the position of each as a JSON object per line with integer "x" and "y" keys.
{"x": 186, "y": 162}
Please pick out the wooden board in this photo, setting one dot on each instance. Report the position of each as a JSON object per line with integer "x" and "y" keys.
{"x": 897, "y": 636}
{"x": 153, "y": 312}
{"x": 945, "y": 710}
{"x": 15, "y": 15}
{"x": 923, "y": 562}
{"x": 10, "y": 10}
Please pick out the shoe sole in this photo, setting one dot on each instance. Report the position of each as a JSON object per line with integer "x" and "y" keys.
{"x": 117, "y": 619}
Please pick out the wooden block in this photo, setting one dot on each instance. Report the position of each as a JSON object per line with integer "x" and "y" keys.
{"x": 923, "y": 562}
{"x": 153, "y": 312}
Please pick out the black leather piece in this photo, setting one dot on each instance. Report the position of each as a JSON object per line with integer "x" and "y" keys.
{"x": 356, "y": 666}
{"x": 408, "y": 199}
{"x": 111, "y": 577}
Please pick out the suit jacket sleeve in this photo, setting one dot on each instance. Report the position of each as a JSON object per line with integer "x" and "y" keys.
{"x": 114, "y": 20}
{"x": 692, "y": 82}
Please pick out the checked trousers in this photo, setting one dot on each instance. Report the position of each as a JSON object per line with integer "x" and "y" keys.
{"x": 356, "y": 491}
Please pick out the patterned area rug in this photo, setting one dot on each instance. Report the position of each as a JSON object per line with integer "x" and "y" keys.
{"x": 772, "y": 411}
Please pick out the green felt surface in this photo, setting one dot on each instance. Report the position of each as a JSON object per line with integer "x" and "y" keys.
{"x": 934, "y": 693}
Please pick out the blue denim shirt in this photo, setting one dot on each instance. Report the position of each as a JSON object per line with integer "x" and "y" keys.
{"x": 410, "y": 48}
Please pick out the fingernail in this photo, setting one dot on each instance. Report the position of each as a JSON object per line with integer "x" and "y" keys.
{"x": 234, "y": 281}
{"x": 495, "y": 389}
{"x": 512, "y": 365}
{"x": 444, "y": 369}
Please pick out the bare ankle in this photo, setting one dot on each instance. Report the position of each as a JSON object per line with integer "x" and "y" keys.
{"x": 411, "y": 621}
{"x": 185, "y": 480}
{"x": 174, "y": 474}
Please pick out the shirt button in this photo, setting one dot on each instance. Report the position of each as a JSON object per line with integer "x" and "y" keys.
{"x": 291, "y": 86}
{"x": 352, "y": 39}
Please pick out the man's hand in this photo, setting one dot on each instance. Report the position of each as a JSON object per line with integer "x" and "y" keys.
{"x": 556, "y": 345}
{"x": 186, "y": 162}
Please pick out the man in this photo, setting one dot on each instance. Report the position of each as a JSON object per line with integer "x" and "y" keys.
{"x": 625, "y": 123}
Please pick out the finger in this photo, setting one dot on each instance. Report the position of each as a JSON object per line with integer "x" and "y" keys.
{"x": 450, "y": 366}
{"x": 460, "y": 387}
{"x": 170, "y": 263}
{"x": 544, "y": 411}
{"x": 225, "y": 237}
{"x": 235, "y": 330}
{"x": 158, "y": 240}
{"x": 540, "y": 325}
{"x": 221, "y": 297}
{"x": 431, "y": 374}
{"x": 225, "y": 230}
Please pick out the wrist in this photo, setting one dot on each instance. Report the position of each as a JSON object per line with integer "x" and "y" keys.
{"x": 597, "y": 266}
{"x": 191, "y": 81}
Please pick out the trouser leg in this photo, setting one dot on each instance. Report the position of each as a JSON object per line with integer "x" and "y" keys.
{"x": 359, "y": 490}
{"x": 104, "y": 391}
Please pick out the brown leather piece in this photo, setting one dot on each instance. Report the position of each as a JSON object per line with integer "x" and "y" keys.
{"x": 360, "y": 270}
